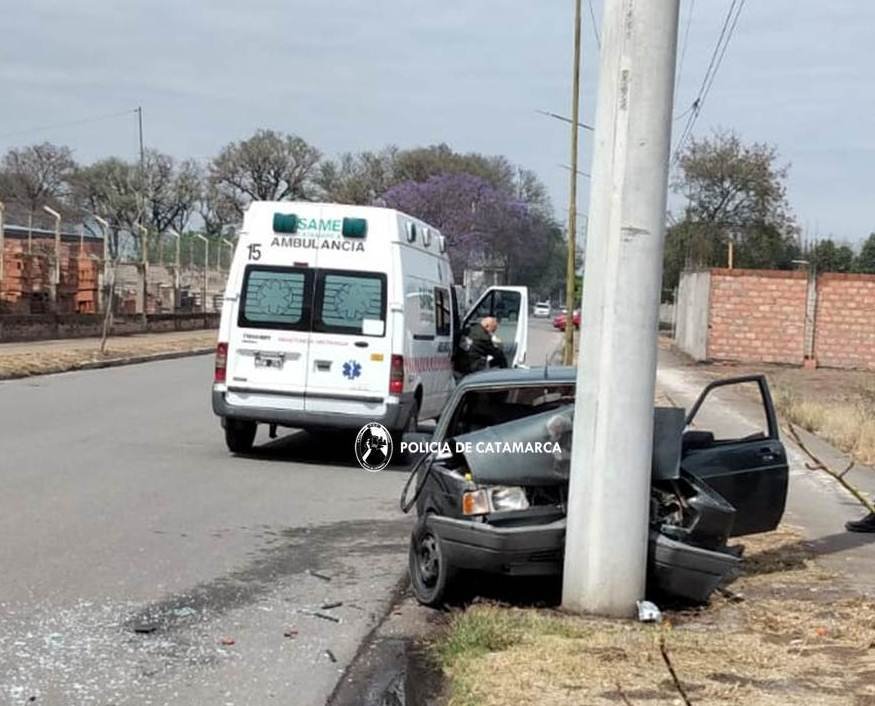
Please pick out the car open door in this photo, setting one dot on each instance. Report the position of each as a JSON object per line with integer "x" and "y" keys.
{"x": 739, "y": 454}
{"x": 510, "y": 305}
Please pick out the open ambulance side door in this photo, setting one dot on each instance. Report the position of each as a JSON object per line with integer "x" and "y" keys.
{"x": 510, "y": 305}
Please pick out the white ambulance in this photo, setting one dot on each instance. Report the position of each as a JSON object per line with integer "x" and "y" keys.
{"x": 335, "y": 316}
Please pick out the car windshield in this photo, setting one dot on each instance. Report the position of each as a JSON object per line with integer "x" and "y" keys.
{"x": 479, "y": 409}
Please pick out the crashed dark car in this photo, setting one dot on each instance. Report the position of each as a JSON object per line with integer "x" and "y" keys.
{"x": 490, "y": 493}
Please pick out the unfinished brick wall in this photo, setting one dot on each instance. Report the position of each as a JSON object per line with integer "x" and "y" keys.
{"x": 757, "y": 316}
{"x": 844, "y": 329}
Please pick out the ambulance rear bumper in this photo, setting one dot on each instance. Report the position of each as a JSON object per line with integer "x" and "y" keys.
{"x": 394, "y": 417}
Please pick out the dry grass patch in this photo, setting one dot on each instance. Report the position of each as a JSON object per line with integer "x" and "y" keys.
{"x": 53, "y": 359}
{"x": 796, "y": 638}
{"x": 848, "y": 424}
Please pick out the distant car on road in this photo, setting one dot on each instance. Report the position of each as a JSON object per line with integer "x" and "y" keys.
{"x": 541, "y": 310}
{"x": 560, "y": 319}
{"x": 482, "y": 508}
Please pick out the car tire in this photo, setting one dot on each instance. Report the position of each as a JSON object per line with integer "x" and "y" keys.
{"x": 430, "y": 573}
{"x": 239, "y": 436}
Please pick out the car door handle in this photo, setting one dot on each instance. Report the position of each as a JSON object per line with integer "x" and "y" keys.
{"x": 361, "y": 344}
{"x": 767, "y": 454}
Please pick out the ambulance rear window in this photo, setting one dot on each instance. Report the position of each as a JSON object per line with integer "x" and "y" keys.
{"x": 344, "y": 300}
{"x": 275, "y": 297}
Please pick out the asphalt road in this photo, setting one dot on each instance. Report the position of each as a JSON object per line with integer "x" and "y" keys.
{"x": 143, "y": 564}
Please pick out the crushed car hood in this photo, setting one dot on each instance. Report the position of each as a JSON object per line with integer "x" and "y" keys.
{"x": 525, "y": 462}
{"x": 536, "y": 450}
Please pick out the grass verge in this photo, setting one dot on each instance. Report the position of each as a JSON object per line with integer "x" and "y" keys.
{"x": 796, "y": 637}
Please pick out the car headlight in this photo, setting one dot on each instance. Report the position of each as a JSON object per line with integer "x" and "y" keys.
{"x": 475, "y": 502}
{"x": 505, "y": 498}
{"x": 495, "y": 499}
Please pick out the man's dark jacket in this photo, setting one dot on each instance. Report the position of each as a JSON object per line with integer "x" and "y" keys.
{"x": 481, "y": 345}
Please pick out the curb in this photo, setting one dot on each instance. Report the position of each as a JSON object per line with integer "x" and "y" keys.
{"x": 113, "y": 363}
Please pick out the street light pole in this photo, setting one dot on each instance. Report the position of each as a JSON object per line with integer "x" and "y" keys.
{"x": 176, "y": 280}
{"x": 206, "y": 268}
{"x": 2, "y": 245}
{"x": 609, "y": 490}
{"x": 56, "y": 274}
{"x": 105, "y": 293}
{"x": 145, "y": 248}
{"x": 571, "y": 258}
{"x": 230, "y": 250}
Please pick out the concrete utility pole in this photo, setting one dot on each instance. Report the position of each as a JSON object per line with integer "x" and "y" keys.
{"x": 56, "y": 270}
{"x": 571, "y": 262}
{"x": 608, "y": 505}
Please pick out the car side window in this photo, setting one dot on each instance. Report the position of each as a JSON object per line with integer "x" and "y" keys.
{"x": 716, "y": 420}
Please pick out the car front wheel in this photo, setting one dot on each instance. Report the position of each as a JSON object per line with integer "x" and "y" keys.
{"x": 430, "y": 572}
{"x": 239, "y": 436}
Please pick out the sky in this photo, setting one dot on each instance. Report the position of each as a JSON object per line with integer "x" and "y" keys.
{"x": 353, "y": 75}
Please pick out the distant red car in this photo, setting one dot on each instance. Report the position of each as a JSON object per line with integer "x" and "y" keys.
{"x": 559, "y": 320}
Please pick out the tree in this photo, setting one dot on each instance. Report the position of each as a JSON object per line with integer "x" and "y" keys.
{"x": 826, "y": 256}
{"x": 109, "y": 188}
{"x": 357, "y": 178}
{"x": 484, "y": 226}
{"x": 269, "y": 166}
{"x": 865, "y": 261}
{"x": 734, "y": 192}
{"x": 37, "y": 176}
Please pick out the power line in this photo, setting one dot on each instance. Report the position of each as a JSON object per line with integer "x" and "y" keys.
{"x": 726, "y": 32}
{"x": 69, "y": 123}
{"x": 684, "y": 46}
{"x": 595, "y": 26}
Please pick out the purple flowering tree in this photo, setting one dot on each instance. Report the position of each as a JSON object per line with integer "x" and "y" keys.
{"x": 482, "y": 224}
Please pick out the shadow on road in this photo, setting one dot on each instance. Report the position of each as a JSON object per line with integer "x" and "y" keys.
{"x": 331, "y": 448}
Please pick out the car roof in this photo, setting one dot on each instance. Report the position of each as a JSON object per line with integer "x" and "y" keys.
{"x": 520, "y": 376}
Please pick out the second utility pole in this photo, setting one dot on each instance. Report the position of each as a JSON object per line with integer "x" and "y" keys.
{"x": 571, "y": 264}
{"x": 609, "y": 491}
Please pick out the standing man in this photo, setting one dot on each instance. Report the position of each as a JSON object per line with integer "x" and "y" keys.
{"x": 479, "y": 348}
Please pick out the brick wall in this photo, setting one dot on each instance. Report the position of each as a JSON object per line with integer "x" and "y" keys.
{"x": 844, "y": 329}
{"x": 757, "y": 316}
{"x": 51, "y": 326}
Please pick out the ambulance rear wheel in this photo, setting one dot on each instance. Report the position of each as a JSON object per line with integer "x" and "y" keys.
{"x": 239, "y": 435}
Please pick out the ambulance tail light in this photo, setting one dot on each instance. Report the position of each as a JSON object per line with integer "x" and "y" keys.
{"x": 221, "y": 362}
{"x": 396, "y": 375}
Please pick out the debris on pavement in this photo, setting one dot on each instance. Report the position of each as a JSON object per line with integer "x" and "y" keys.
{"x": 330, "y": 655}
{"x": 290, "y": 633}
{"x": 648, "y": 612}
{"x": 329, "y": 606}
{"x": 227, "y": 641}
{"x": 317, "y": 614}
{"x": 145, "y": 628}
{"x": 318, "y": 575}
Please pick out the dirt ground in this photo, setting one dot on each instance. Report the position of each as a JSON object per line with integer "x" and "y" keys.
{"x": 837, "y": 405}
{"x": 40, "y": 357}
{"x": 787, "y": 632}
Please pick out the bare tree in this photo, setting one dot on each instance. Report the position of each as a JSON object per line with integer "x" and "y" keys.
{"x": 269, "y": 166}
{"x": 37, "y": 176}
